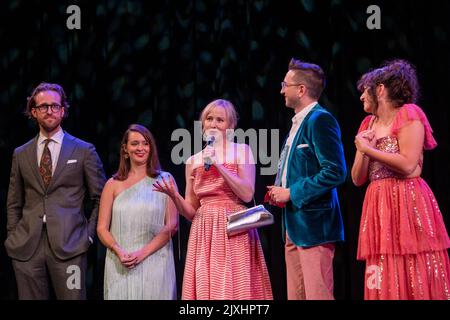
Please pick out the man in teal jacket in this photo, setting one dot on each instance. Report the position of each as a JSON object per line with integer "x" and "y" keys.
{"x": 312, "y": 165}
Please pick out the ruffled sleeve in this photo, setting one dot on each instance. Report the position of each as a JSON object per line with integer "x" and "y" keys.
{"x": 365, "y": 123}
{"x": 411, "y": 112}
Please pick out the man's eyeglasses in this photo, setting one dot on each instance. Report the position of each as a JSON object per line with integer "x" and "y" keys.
{"x": 284, "y": 84}
{"x": 44, "y": 107}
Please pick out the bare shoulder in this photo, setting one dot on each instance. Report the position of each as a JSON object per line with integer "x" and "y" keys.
{"x": 194, "y": 161}
{"x": 243, "y": 147}
{"x": 244, "y": 153}
{"x": 412, "y": 130}
{"x": 239, "y": 147}
{"x": 111, "y": 185}
{"x": 414, "y": 124}
{"x": 111, "y": 182}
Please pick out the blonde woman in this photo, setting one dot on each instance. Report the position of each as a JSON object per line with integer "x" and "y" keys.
{"x": 219, "y": 267}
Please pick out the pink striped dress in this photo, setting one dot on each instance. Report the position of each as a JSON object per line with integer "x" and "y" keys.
{"x": 219, "y": 267}
{"x": 402, "y": 235}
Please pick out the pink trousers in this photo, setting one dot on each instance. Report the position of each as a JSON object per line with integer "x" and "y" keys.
{"x": 309, "y": 271}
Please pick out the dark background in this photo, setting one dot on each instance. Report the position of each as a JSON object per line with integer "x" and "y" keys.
{"x": 158, "y": 63}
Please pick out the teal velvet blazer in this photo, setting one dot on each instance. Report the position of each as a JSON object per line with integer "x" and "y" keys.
{"x": 316, "y": 166}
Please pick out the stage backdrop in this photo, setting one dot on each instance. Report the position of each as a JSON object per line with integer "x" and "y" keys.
{"x": 158, "y": 63}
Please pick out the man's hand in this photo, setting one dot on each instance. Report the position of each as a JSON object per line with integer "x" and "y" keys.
{"x": 279, "y": 194}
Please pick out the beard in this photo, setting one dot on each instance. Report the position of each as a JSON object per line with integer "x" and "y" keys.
{"x": 49, "y": 126}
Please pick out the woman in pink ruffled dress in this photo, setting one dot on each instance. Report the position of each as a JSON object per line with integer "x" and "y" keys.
{"x": 402, "y": 234}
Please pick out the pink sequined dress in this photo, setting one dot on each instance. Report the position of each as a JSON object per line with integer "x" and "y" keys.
{"x": 219, "y": 267}
{"x": 402, "y": 235}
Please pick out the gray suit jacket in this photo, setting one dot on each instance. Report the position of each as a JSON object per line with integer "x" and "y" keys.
{"x": 62, "y": 203}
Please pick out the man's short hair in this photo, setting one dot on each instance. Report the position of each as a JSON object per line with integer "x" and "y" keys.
{"x": 44, "y": 86}
{"x": 310, "y": 75}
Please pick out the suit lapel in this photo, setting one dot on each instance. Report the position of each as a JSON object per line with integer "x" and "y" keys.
{"x": 299, "y": 134}
{"x": 281, "y": 162}
{"x": 31, "y": 154}
{"x": 67, "y": 148}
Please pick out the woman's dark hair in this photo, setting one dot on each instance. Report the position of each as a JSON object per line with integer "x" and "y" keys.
{"x": 153, "y": 166}
{"x": 398, "y": 76}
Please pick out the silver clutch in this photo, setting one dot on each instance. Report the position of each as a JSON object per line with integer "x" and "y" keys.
{"x": 250, "y": 218}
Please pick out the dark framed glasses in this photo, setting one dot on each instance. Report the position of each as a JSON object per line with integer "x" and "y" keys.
{"x": 55, "y": 107}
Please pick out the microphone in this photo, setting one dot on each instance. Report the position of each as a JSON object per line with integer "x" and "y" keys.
{"x": 209, "y": 142}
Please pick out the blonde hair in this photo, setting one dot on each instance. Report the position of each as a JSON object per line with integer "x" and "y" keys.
{"x": 230, "y": 111}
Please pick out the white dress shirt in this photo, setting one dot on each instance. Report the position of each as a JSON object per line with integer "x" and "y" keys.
{"x": 296, "y": 123}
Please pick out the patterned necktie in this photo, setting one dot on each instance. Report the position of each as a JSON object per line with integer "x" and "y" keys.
{"x": 45, "y": 167}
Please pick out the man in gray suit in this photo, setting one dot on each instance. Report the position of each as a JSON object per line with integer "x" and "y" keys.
{"x": 48, "y": 233}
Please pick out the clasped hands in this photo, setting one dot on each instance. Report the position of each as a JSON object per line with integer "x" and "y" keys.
{"x": 129, "y": 260}
{"x": 365, "y": 140}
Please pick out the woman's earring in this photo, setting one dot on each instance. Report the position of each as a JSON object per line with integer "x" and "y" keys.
{"x": 126, "y": 156}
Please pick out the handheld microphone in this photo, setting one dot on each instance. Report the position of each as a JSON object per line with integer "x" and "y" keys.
{"x": 209, "y": 142}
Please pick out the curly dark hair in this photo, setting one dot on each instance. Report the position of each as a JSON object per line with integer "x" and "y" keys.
{"x": 44, "y": 86}
{"x": 398, "y": 76}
